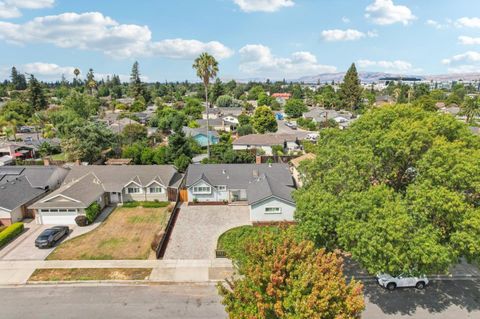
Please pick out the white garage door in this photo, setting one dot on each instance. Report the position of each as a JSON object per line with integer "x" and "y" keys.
{"x": 57, "y": 217}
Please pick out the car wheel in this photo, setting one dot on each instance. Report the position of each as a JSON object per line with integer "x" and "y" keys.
{"x": 391, "y": 286}
{"x": 420, "y": 285}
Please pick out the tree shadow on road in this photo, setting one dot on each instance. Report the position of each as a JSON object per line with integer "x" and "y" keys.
{"x": 437, "y": 297}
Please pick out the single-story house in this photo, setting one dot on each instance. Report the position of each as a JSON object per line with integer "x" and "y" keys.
{"x": 200, "y": 135}
{"x": 282, "y": 98}
{"x": 16, "y": 150}
{"x": 233, "y": 111}
{"x": 213, "y": 113}
{"x": 106, "y": 185}
{"x": 228, "y": 123}
{"x": 266, "y": 141}
{"x": 20, "y": 186}
{"x": 320, "y": 115}
{"x": 214, "y": 124}
{"x": 119, "y": 125}
{"x": 265, "y": 188}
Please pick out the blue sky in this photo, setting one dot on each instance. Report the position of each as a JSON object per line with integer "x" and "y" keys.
{"x": 251, "y": 38}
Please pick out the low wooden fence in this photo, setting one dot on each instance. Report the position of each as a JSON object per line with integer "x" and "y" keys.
{"x": 220, "y": 253}
{"x": 162, "y": 246}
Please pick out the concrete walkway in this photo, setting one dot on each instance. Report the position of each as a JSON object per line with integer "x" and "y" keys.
{"x": 164, "y": 271}
{"x": 197, "y": 230}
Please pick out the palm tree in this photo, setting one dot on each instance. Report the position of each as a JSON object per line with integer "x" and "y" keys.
{"x": 471, "y": 109}
{"x": 410, "y": 94}
{"x": 397, "y": 93}
{"x": 207, "y": 69}
{"x": 76, "y": 72}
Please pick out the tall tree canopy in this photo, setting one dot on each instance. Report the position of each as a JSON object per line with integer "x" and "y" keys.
{"x": 263, "y": 120}
{"x": 351, "y": 90}
{"x": 399, "y": 190}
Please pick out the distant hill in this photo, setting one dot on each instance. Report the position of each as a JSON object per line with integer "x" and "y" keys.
{"x": 370, "y": 77}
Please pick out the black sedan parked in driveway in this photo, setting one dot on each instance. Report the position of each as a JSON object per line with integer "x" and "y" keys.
{"x": 50, "y": 236}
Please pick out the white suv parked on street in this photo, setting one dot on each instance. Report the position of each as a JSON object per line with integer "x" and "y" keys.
{"x": 390, "y": 282}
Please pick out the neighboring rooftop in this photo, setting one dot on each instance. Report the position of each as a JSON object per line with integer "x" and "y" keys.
{"x": 237, "y": 175}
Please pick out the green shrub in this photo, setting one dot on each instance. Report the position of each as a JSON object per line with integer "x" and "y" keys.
{"x": 10, "y": 233}
{"x": 155, "y": 204}
{"x": 2, "y": 228}
{"x": 234, "y": 241}
{"x": 92, "y": 211}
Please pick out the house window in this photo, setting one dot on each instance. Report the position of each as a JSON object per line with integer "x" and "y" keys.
{"x": 202, "y": 190}
{"x": 222, "y": 188}
{"x": 273, "y": 210}
{"x": 155, "y": 190}
{"x": 133, "y": 190}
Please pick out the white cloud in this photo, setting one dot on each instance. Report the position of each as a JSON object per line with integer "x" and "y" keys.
{"x": 8, "y": 12}
{"x": 11, "y": 8}
{"x": 469, "y": 56}
{"x": 53, "y": 72}
{"x": 258, "y": 59}
{"x": 468, "y": 22}
{"x": 466, "y": 40}
{"x": 94, "y": 31}
{"x": 346, "y": 35}
{"x": 398, "y": 66}
{"x": 47, "y": 69}
{"x": 30, "y": 4}
{"x": 263, "y": 5}
{"x": 345, "y": 20}
{"x": 434, "y": 24}
{"x": 385, "y": 12}
{"x": 463, "y": 63}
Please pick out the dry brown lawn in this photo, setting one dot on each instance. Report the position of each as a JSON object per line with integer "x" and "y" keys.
{"x": 71, "y": 274}
{"x": 126, "y": 234}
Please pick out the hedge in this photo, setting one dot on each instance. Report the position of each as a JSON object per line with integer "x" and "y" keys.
{"x": 145, "y": 204}
{"x": 92, "y": 211}
{"x": 10, "y": 233}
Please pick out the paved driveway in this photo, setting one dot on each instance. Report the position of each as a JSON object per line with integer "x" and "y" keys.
{"x": 23, "y": 247}
{"x": 197, "y": 230}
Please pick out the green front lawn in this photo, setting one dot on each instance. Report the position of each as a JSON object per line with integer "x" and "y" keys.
{"x": 126, "y": 234}
{"x": 234, "y": 241}
{"x": 74, "y": 274}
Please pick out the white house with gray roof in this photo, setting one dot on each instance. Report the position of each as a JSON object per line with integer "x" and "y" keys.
{"x": 265, "y": 188}
{"x": 106, "y": 185}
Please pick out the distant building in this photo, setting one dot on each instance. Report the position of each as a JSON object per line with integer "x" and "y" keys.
{"x": 282, "y": 98}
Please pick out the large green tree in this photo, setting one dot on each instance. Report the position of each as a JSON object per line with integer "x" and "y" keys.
{"x": 399, "y": 190}
{"x": 351, "y": 89}
{"x": 35, "y": 94}
{"x": 295, "y": 108}
{"x": 263, "y": 120}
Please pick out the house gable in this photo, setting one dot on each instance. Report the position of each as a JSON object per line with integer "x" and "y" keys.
{"x": 59, "y": 198}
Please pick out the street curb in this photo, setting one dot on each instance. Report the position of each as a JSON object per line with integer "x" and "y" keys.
{"x": 104, "y": 284}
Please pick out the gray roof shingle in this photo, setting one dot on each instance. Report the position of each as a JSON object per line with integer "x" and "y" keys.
{"x": 260, "y": 180}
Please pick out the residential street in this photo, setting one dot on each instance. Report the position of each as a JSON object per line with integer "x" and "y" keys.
{"x": 160, "y": 302}
{"x": 447, "y": 299}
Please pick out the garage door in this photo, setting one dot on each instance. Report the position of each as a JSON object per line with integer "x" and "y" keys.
{"x": 57, "y": 217}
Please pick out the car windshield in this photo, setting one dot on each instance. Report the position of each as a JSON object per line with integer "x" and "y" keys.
{"x": 46, "y": 233}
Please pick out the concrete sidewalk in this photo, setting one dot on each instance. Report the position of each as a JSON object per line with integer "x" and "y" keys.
{"x": 163, "y": 271}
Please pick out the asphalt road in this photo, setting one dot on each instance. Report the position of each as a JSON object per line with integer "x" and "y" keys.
{"x": 446, "y": 299}
{"x": 160, "y": 302}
